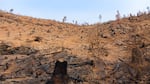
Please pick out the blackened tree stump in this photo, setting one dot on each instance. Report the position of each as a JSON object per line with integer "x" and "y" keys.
{"x": 60, "y": 75}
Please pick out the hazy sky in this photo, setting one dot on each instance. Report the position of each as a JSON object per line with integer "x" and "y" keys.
{"x": 80, "y": 10}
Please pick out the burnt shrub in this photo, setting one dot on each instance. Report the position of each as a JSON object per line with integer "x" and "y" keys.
{"x": 38, "y": 39}
{"x": 5, "y": 49}
{"x": 22, "y": 50}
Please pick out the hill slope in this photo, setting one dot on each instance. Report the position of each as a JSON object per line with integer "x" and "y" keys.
{"x": 120, "y": 50}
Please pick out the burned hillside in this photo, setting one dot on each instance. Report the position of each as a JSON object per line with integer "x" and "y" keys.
{"x": 115, "y": 52}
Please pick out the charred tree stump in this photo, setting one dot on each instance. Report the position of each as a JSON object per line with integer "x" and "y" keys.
{"x": 137, "y": 63}
{"x": 137, "y": 57}
{"x": 60, "y": 75}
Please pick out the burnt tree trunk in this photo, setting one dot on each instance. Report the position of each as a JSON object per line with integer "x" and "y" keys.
{"x": 137, "y": 57}
{"x": 60, "y": 75}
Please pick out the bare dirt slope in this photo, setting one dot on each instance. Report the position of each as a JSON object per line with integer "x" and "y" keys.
{"x": 116, "y": 52}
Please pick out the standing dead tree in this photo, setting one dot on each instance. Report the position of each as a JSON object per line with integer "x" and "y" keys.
{"x": 100, "y": 17}
{"x": 64, "y": 19}
{"x": 118, "y": 15}
{"x": 148, "y": 9}
{"x": 11, "y": 10}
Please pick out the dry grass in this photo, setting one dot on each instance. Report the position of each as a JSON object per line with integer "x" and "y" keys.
{"x": 109, "y": 44}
